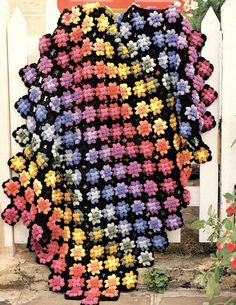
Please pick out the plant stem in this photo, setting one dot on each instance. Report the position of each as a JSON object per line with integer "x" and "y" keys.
{"x": 230, "y": 300}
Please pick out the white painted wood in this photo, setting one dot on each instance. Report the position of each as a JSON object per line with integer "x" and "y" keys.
{"x": 17, "y": 54}
{"x": 209, "y": 170}
{"x": 33, "y": 46}
{"x": 195, "y": 196}
{"x": 52, "y": 15}
{"x": 228, "y": 153}
{"x": 174, "y": 236}
{"x": 5, "y": 152}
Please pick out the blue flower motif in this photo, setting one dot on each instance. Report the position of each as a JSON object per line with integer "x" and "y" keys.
{"x": 155, "y": 224}
{"x": 31, "y": 124}
{"x": 67, "y": 157}
{"x": 159, "y": 242}
{"x": 57, "y": 123}
{"x": 41, "y": 113}
{"x": 106, "y": 172}
{"x": 155, "y": 19}
{"x": 138, "y": 21}
{"x": 92, "y": 156}
{"x": 23, "y": 106}
{"x": 76, "y": 157}
{"x": 143, "y": 42}
{"x": 48, "y": 133}
{"x": 67, "y": 118}
{"x": 185, "y": 130}
{"x": 55, "y": 104}
{"x": 140, "y": 225}
{"x": 174, "y": 59}
{"x": 138, "y": 207}
{"x": 183, "y": 87}
{"x": 109, "y": 212}
{"x": 171, "y": 38}
{"x": 158, "y": 39}
{"x": 143, "y": 243}
{"x": 68, "y": 139}
{"x": 121, "y": 190}
{"x": 192, "y": 113}
{"x": 108, "y": 192}
{"x": 92, "y": 176}
{"x": 178, "y": 106}
{"x": 122, "y": 209}
{"x": 125, "y": 28}
{"x": 35, "y": 94}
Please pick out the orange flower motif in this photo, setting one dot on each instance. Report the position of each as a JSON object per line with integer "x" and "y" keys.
{"x": 162, "y": 146}
{"x": 185, "y": 175}
{"x": 165, "y": 166}
{"x": 44, "y": 205}
{"x": 12, "y": 188}
{"x": 77, "y": 270}
{"x": 76, "y": 34}
{"x": 94, "y": 282}
{"x": 146, "y": 148}
{"x": 29, "y": 195}
{"x": 144, "y": 128}
{"x": 126, "y": 111}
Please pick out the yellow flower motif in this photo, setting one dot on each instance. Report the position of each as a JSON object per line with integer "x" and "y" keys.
{"x": 78, "y": 236}
{"x": 40, "y": 160}
{"x": 109, "y": 50}
{"x": 140, "y": 88}
{"x": 171, "y": 101}
{"x": 87, "y": 24}
{"x": 24, "y": 178}
{"x": 95, "y": 266}
{"x": 160, "y": 126}
{"x": 50, "y": 179}
{"x": 112, "y": 281}
{"x": 113, "y": 29}
{"x": 124, "y": 50}
{"x": 33, "y": 169}
{"x": 96, "y": 251}
{"x": 67, "y": 216}
{"x": 27, "y": 152}
{"x": 142, "y": 109}
{"x": 136, "y": 68}
{"x": 75, "y": 16}
{"x": 90, "y": 7}
{"x": 37, "y": 187}
{"x": 129, "y": 280}
{"x": 156, "y": 105}
{"x": 123, "y": 71}
{"x": 151, "y": 85}
{"x": 66, "y": 233}
{"x": 112, "y": 263}
{"x": 97, "y": 234}
{"x": 76, "y": 217}
{"x": 113, "y": 249}
{"x": 125, "y": 91}
{"x": 111, "y": 70}
{"x": 177, "y": 141}
{"x": 77, "y": 252}
{"x": 201, "y": 155}
{"x": 58, "y": 214}
{"x": 173, "y": 122}
{"x": 128, "y": 258}
{"x": 57, "y": 196}
{"x": 99, "y": 46}
{"x": 67, "y": 196}
{"x": 17, "y": 163}
{"x": 103, "y": 23}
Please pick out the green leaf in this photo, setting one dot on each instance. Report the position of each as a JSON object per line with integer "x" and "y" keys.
{"x": 233, "y": 236}
{"x": 210, "y": 210}
{"x": 229, "y": 196}
{"x": 228, "y": 224}
{"x": 198, "y": 224}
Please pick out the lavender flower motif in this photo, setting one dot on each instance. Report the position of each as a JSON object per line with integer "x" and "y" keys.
{"x": 108, "y": 192}
{"x": 92, "y": 156}
{"x": 106, "y": 173}
{"x": 124, "y": 228}
{"x": 138, "y": 21}
{"x": 143, "y": 42}
{"x": 50, "y": 84}
{"x": 67, "y": 99}
{"x": 172, "y": 14}
{"x": 67, "y": 118}
{"x": 105, "y": 153}
{"x": 185, "y": 130}
{"x": 153, "y": 206}
{"x": 140, "y": 225}
{"x": 122, "y": 209}
{"x": 183, "y": 87}
{"x": 41, "y": 113}
{"x": 120, "y": 171}
{"x": 93, "y": 195}
{"x": 173, "y": 222}
{"x": 136, "y": 188}
{"x": 125, "y": 28}
{"x": 155, "y": 19}
{"x": 120, "y": 190}
{"x": 155, "y": 224}
{"x": 90, "y": 135}
{"x": 55, "y": 104}
{"x": 189, "y": 70}
{"x": 35, "y": 94}
{"x": 45, "y": 65}
{"x": 171, "y": 38}
{"x": 159, "y": 242}
{"x": 182, "y": 41}
{"x": 192, "y": 113}
{"x": 29, "y": 75}
{"x": 158, "y": 39}
{"x": 92, "y": 176}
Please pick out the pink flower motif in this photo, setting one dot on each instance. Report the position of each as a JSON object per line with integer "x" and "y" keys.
{"x": 171, "y": 203}
{"x": 45, "y": 65}
{"x": 168, "y": 185}
{"x": 104, "y": 133}
{"x": 187, "y": 196}
{"x": 44, "y": 43}
{"x": 103, "y": 112}
{"x": 11, "y": 215}
{"x": 20, "y": 202}
{"x": 37, "y": 232}
{"x": 58, "y": 265}
{"x": 89, "y": 114}
{"x": 149, "y": 167}
{"x": 56, "y": 283}
{"x": 150, "y": 187}
{"x": 118, "y": 150}
{"x": 114, "y": 111}
{"x": 66, "y": 79}
{"x": 61, "y": 38}
{"x": 132, "y": 149}
{"x": 129, "y": 131}
{"x": 26, "y": 218}
{"x": 116, "y": 131}
{"x": 134, "y": 169}
{"x": 76, "y": 54}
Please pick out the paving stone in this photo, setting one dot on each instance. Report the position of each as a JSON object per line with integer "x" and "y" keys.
{"x": 189, "y": 301}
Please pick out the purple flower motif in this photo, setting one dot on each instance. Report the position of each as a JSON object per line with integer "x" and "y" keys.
{"x": 120, "y": 190}
{"x": 159, "y": 242}
{"x": 138, "y": 207}
{"x": 182, "y": 41}
{"x": 35, "y": 94}
{"x": 158, "y": 39}
{"x": 105, "y": 153}
{"x": 143, "y": 243}
{"x": 138, "y": 21}
{"x": 106, "y": 173}
{"x": 122, "y": 209}
{"x": 155, "y": 224}
{"x": 189, "y": 70}
{"x": 50, "y": 84}
{"x": 92, "y": 176}
{"x": 187, "y": 28}
{"x": 92, "y": 156}
{"x": 183, "y": 87}
{"x": 55, "y": 104}
{"x": 124, "y": 228}
{"x": 48, "y": 133}
{"x": 45, "y": 65}
{"x": 67, "y": 99}
{"x": 108, "y": 192}
{"x": 172, "y": 14}
{"x": 120, "y": 171}
{"x": 140, "y": 225}
{"x": 29, "y": 74}
{"x": 185, "y": 130}
{"x": 153, "y": 206}
{"x": 136, "y": 188}
{"x": 66, "y": 79}
{"x": 77, "y": 115}
{"x": 173, "y": 222}
{"x": 90, "y": 135}
{"x": 155, "y": 19}
{"x": 89, "y": 114}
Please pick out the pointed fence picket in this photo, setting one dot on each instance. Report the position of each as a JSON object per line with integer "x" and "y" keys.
{"x": 220, "y": 53}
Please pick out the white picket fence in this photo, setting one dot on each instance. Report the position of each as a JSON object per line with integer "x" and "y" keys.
{"x": 220, "y": 49}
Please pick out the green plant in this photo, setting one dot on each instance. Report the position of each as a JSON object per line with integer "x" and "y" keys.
{"x": 223, "y": 232}
{"x": 156, "y": 280}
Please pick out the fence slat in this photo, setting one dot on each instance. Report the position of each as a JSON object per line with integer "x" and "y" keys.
{"x": 228, "y": 153}
{"x": 52, "y": 15}
{"x": 17, "y": 54}
{"x": 7, "y": 231}
{"x": 209, "y": 171}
